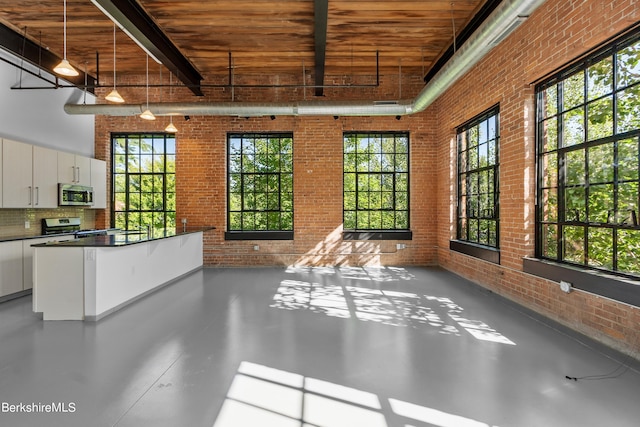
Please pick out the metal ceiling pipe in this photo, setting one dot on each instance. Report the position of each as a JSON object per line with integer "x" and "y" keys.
{"x": 502, "y": 22}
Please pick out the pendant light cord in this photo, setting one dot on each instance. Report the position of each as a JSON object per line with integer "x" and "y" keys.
{"x": 64, "y": 28}
{"x": 114, "y": 56}
{"x": 147, "y": 82}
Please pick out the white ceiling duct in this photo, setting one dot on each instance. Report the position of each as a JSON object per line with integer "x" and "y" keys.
{"x": 504, "y": 20}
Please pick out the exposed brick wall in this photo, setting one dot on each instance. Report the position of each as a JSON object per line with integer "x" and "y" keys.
{"x": 556, "y": 33}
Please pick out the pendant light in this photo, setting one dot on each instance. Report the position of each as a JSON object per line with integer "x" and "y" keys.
{"x": 170, "y": 127}
{"x": 64, "y": 68}
{"x": 147, "y": 114}
{"x": 114, "y": 96}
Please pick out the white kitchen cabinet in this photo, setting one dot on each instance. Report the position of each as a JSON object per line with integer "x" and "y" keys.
{"x": 99, "y": 183}
{"x": 17, "y": 174}
{"x": 10, "y": 267}
{"x": 74, "y": 169}
{"x": 45, "y": 178}
{"x": 29, "y": 176}
{"x": 27, "y": 256}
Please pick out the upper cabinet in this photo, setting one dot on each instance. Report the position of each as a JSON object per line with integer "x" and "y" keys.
{"x": 17, "y": 174}
{"x": 45, "y": 177}
{"x": 29, "y": 175}
{"x": 99, "y": 183}
{"x": 74, "y": 169}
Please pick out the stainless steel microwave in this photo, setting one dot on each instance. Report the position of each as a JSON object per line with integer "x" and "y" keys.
{"x": 75, "y": 195}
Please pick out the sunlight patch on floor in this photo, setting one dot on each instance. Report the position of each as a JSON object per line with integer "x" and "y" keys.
{"x": 267, "y": 397}
{"x": 390, "y": 307}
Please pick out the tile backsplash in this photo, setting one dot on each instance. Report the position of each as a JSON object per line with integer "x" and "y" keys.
{"x": 12, "y": 221}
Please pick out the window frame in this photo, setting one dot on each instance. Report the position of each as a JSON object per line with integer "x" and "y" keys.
{"x": 253, "y": 234}
{"x": 357, "y": 233}
{"x": 127, "y": 176}
{"x": 465, "y": 174}
{"x": 559, "y": 183}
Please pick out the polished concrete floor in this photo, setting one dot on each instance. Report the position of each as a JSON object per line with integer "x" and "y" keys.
{"x": 310, "y": 347}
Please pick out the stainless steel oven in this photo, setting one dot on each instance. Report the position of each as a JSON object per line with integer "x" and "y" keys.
{"x": 75, "y": 195}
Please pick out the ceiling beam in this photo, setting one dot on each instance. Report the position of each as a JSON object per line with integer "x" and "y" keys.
{"x": 36, "y": 55}
{"x": 135, "y": 21}
{"x": 320, "y": 16}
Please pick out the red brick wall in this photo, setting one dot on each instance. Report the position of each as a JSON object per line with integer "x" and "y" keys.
{"x": 556, "y": 33}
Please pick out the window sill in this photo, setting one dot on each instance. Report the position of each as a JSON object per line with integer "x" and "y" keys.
{"x": 378, "y": 235}
{"x": 258, "y": 235}
{"x": 478, "y": 251}
{"x": 597, "y": 282}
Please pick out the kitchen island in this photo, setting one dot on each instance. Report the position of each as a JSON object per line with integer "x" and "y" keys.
{"x": 91, "y": 277}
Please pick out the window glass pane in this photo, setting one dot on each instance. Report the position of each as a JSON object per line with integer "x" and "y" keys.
{"x": 575, "y": 204}
{"x": 550, "y": 134}
{"x": 601, "y": 164}
{"x": 550, "y": 101}
{"x": 349, "y": 220}
{"x": 628, "y": 203}
{"x": 146, "y": 163}
{"x": 119, "y": 145}
{"x": 170, "y": 162}
{"x": 628, "y": 161}
{"x": 573, "y": 91}
{"x": 600, "y": 247}
{"x": 575, "y": 167}
{"x": 550, "y": 205}
{"x": 629, "y": 65}
{"x": 573, "y": 127}
{"x": 550, "y": 170}
{"x": 600, "y": 115}
{"x": 628, "y": 106}
{"x": 600, "y": 78}
{"x": 574, "y": 244}
{"x": 628, "y": 250}
{"x": 601, "y": 203}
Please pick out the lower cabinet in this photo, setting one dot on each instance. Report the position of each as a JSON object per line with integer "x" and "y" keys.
{"x": 27, "y": 257}
{"x": 16, "y": 263}
{"x": 10, "y": 267}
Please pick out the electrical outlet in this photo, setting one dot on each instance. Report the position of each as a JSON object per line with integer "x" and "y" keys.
{"x": 27, "y": 224}
{"x": 184, "y": 221}
{"x": 401, "y": 246}
{"x": 565, "y": 286}
{"x": 256, "y": 248}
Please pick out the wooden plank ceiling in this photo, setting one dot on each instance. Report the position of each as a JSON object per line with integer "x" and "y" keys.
{"x": 266, "y": 38}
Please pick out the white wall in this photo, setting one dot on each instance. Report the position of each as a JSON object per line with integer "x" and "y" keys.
{"x": 37, "y": 116}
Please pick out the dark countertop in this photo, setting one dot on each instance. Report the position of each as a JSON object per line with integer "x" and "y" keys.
{"x": 18, "y": 237}
{"x": 123, "y": 238}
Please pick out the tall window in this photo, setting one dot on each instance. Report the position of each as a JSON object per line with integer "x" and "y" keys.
{"x": 478, "y": 160}
{"x": 588, "y": 131}
{"x": 144, "y": 181}
{"x": 260, "y": 185}
{"x": 376, "y": 181}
